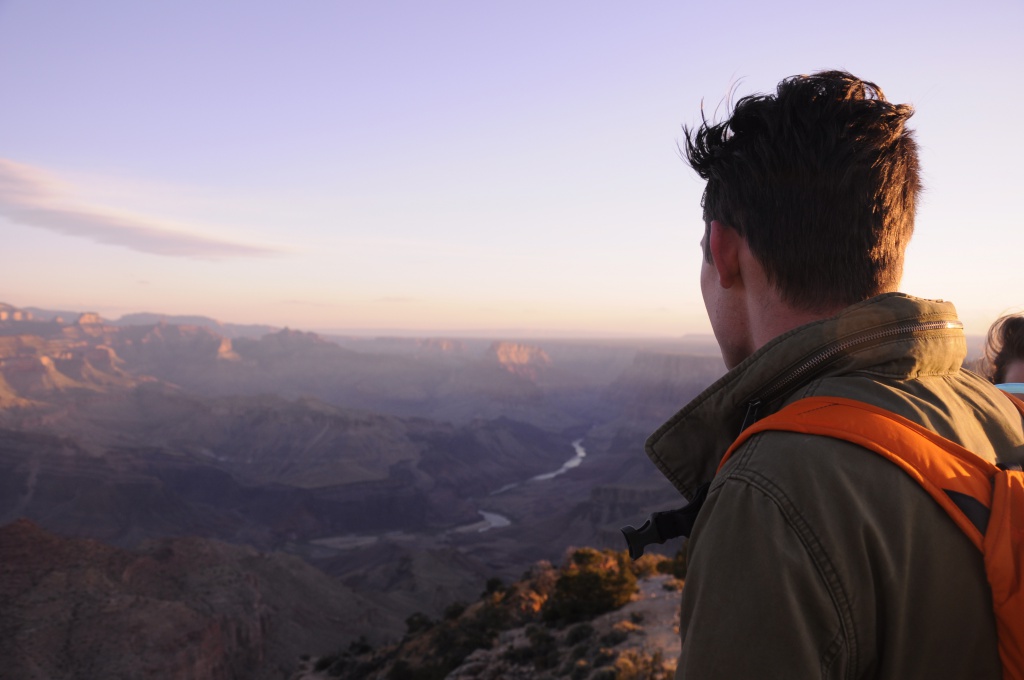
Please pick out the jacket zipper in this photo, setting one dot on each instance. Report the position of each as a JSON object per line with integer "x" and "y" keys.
{"x": 830, "y": 353}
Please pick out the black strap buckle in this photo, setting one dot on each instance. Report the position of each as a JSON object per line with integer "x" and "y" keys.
{"x": 665, "y": 525}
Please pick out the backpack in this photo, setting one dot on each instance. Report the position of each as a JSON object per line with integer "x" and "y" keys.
{"x": 985, "y": 500}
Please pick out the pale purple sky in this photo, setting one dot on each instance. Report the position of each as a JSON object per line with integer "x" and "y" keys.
{"x": 456, "y": 166}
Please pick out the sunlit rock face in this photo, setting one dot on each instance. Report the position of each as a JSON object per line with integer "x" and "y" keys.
{"x": 226, "y": 351}
{"x": 520, "y": 359}
{"x": 42, "y": 372}
{"x": 89, "y": 319}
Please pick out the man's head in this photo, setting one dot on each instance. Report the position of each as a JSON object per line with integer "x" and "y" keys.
{"x": 820, "y": 180}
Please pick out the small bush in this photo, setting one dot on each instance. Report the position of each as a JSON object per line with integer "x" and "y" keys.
{"x": 339, "y": 667}
{"x": 649, "y": 565}
{"x": 545, "y": 651}
{"x": 492, "y": 617}
{"x": 542, "y": 651}
{"x": 580, "y": 670}
{"x": 672, "y": 584}
{"x": 363, "y": 669}
{"x": 493, "y": 585}
{"x": 579, "y": 651}
{"x": 454, "y": 610}
{"x": 579, "y": 633}
{"x": 417, "y": 623}
{"x": 627, "y": 626}
{"x": 592, "y": 583}
{"x": 637, "y": 665}
{"x": 605, "y": 656}
{"x": 401, "y": 670}
{"x": 359, "y": 646}
{"x": 518, "y": 655}
{"x": 614, "y": 637}
{"x": 325, "y": 662}
{"x": 679, "y": 563}
{"x": 454, "y": 642}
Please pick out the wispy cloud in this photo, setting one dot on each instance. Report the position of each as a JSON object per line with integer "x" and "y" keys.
{"x": 31, "y": 197}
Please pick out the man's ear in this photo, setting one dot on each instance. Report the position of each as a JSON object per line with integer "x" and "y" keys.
{"x": 725, "y": 253}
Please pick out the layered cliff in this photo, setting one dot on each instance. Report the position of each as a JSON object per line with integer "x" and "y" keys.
{"x": 175, "y": 608}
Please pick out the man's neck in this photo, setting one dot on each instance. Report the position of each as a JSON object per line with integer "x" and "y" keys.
{"x": 771, "y": 316}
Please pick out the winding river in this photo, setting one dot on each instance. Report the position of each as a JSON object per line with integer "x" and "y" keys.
{"x": 574, "y": 462}
{"x": 491, "y": 520}
{"x": 494, "y": 520}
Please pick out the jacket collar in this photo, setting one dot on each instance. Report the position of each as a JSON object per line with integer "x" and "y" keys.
{"x": 895, "y": 334}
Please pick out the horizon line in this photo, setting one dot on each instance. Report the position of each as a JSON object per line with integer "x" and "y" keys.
{"x": 389, "y": 332}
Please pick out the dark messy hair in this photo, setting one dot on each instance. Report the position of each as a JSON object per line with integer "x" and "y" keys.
{"x": 1005, "y": 345}
{"x": 821, "y": 179}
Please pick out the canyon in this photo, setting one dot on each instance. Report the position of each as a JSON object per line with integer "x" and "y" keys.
{"x": 370, "y": 461}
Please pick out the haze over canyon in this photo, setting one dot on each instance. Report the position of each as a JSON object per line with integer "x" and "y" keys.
{"x": 262, "y": 493}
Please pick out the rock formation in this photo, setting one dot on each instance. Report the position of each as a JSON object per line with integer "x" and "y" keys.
{"x": 175, "y": 608}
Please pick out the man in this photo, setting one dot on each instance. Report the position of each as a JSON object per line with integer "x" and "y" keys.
{"x": 811, "y": 557}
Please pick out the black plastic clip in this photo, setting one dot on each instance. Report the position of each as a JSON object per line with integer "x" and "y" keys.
{"x": 665, "y": 525}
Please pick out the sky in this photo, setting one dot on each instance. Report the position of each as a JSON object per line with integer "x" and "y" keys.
{"x": 458, "y": 167}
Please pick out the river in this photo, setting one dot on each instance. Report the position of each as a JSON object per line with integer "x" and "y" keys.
{"x": 579, "y": 454}
{"x": 573, "y": 462}
{"x": 491, "y": 520}
{"x": 495, "y": 521}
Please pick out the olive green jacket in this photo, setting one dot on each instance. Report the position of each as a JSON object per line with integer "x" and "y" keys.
{"x": 812, "y": 557}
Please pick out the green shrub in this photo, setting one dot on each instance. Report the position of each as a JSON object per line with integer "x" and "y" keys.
{"x": 638, "y": 665}
{"x": 579, "y": 633}
{"x": 493, "y": 585}
{"x": 339, "y": 667}
{"x": 579, "y": 651}
{"x": 325, "y": 662}
{"x": 580, "y": 670}
{"x": 492, "y": 617}
{"x": 649, "y": 565}
{"x": 417, "y": 623}
{"x": 542, "y": 651}
{"x": 518, "y": 655}
{"x": 359, "y": 646}
{"x": 454, "y": 610}
{"x": 454, "y": 642}
{"x": 592, "y": 583}
{"x": 605, "y": 656}
{"x": 614, "y": 637}
{"x": 401, "y": 670}
{"x": 679, "y": 563}
{"x": 672, "y": 584}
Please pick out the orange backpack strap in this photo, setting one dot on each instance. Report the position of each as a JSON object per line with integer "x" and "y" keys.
{"x": 912, "y": 447}
{"x": 947, "y": 471}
